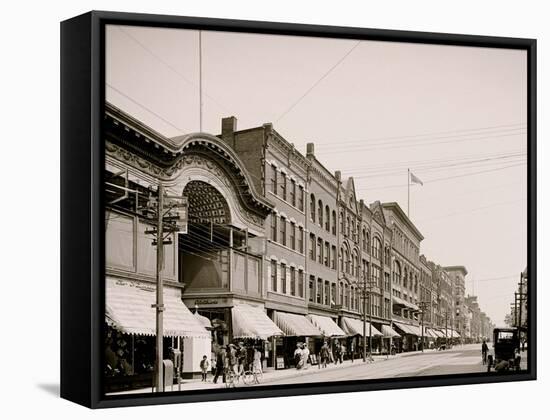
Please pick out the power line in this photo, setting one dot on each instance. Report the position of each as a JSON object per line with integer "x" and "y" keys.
{"x": 172, "y": 68}
{"x": 466, "y": 132}
{"x": 307, "y": 92}
{"x": 135, "y": 102}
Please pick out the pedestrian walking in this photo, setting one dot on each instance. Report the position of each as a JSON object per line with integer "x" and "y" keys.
{"x": 484, "y": 350}
{"x": 204, "y": 365}
{"x": 352, "y": 351}
{"x": 342, "y": 353}
{"x": 257, "y": 362}
{"x": 232, "y": 361}
{"x": 324, "y": 354}
{"x": 305, "y": 354}
{"x": 221, "y": 362}
{"x": 241, "y": 358}
{"x": 337, "y": 353}
{"x": 298, "y": 356}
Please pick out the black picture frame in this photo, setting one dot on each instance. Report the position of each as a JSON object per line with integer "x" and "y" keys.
{"x": 82, "y": 236}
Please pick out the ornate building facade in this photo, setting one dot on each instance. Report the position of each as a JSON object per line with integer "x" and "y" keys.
{"x": 278, "y": 249}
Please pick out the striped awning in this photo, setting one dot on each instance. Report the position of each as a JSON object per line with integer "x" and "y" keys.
{"x": 128, "y": 309}
{"x": 408, "y": 328}
{"x": 252, "y": 322}
{"x": 295, "y": 325}
{"x": 353, "y": 326}
{"x": 389, "y": 332}
{"x": 428, "y": 332}
{"x": 328, "y": 327}
{"x": 402, "y": 302}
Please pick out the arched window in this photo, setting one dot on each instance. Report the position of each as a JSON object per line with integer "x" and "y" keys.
{"x": 353, "y": 259}
{"x": 347, "y": 260}
{"x": 341, "y": 293}
{"x": 352, "y": 295}
{"x": 341, "y": 258}
{"x": 327, "y": 219}
{"x": 348, "y": 226}
{"x": 346, "y": 296}
{"x": 364, "y": 240}
{"x": 396, "y": 272}
{"x": 312, "y": 207}
{"x": 376, "y": 247}
{"x": 334, "y": 222}
{"x": 341, "y": 223}
{"x": 320, "y": 211}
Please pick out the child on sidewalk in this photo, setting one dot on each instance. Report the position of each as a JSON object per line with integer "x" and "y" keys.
{"x": 205, "y": 364}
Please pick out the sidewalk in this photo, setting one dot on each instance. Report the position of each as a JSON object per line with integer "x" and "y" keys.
{"x": 271, "y": 375}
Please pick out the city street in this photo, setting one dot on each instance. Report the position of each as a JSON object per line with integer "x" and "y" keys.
{"x": 459, "y": 359}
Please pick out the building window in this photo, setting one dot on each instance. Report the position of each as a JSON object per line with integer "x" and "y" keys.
{"x": 273, "y": 227}
{"x": 320, "y": 211}
{"x": 301, "y": 198}
{"x": 301, "y": 283}
{"x": 387, "y": 286}
{"x": 293, "y": 235}
{"x": 327, "y": 219}
{"x": 283, "y": 278}
{"x": 327, "y": 293}
{"x": 319, "y": 291}
{"x": 301, "y": 240}
{"x": 341, "y": 223}
{"x": 333, "y": 258}
{"x": 327, "y": 254}
{"x": 312, "y": 208}
{"x": 348, "y": 226}
{"x": 293, "y": 192}
{"x": 347, "y": 260}
{"x": 376, "y": 276}
{"x": 282, "y": 228}
{"x": 352, "y": 297}
{"x": 311, "y": 288}
{"x": 341, "y": 294}
{"x": 319, "y": 250}
{"x": 274, "y": 179}
{"x": 334, "y": 222}
{"x": 341, "y": 257}
{"x": 346, "y": 296}
{"x": 376, "y": 246}
{"x": 283, "y": 186}
{"x": 274, "y": 275}
{"x": 292, "y": 281}
{"x": 312, "y": 246}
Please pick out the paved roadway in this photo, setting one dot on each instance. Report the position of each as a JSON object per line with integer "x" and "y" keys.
{"x": 459, "y": 359}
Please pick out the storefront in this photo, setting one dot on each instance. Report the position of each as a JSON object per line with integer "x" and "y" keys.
{"x": 410, "y": 336}
{"x": 130, "y": 332}
{"x": 251, "y": 325}
{"x": 391, "y": 338}
{"x": 331, "y": 333}
{"x": 298, "y": 330}
{"x": 354, "y": 328}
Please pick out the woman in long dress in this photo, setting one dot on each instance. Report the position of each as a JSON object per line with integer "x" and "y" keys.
{"x": 257, "y": 361}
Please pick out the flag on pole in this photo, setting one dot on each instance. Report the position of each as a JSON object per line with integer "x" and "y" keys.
{"x": 415, "y": 179}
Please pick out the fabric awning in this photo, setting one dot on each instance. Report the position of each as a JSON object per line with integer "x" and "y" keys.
{"x": 430, "y": 333}
{"x": 408, "y": 329}
{"x": 295, "y": 325}
{"x": 128, "y": 309}
{"x": 252, "y": 322}
{"x": 402, "y": 302}
{"x": 327, "y": 326}
{"x": 389, "y": 331}
{"x": 353, "y": 326}
{"x": 456, "y": 334}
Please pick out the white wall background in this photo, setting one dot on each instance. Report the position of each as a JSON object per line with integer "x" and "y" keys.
{"x": 29, "y": 260}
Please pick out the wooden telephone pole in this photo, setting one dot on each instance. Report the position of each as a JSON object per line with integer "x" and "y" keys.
{"x": 169, "y": 215}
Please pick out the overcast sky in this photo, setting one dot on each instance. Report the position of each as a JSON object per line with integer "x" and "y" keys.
{"x": 456, "y": 116}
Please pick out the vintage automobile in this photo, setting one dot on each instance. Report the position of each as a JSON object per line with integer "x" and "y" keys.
{"x": 505, "y": 355}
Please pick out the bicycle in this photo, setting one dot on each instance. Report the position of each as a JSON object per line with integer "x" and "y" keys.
{"x": 249, "y": 377}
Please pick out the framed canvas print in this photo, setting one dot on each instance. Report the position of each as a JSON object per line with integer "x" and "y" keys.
{"x": 254, "y": 209}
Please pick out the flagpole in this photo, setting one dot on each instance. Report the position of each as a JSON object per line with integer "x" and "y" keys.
{"x": 408, "y": 190}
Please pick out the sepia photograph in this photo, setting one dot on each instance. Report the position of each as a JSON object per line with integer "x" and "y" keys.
{"x": 285, "y": 209}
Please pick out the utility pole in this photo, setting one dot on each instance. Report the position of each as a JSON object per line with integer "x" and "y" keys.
{"x": 169, "y": 217}
{"x": 423, "y": 307}
{"x": 160, "y": 290}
